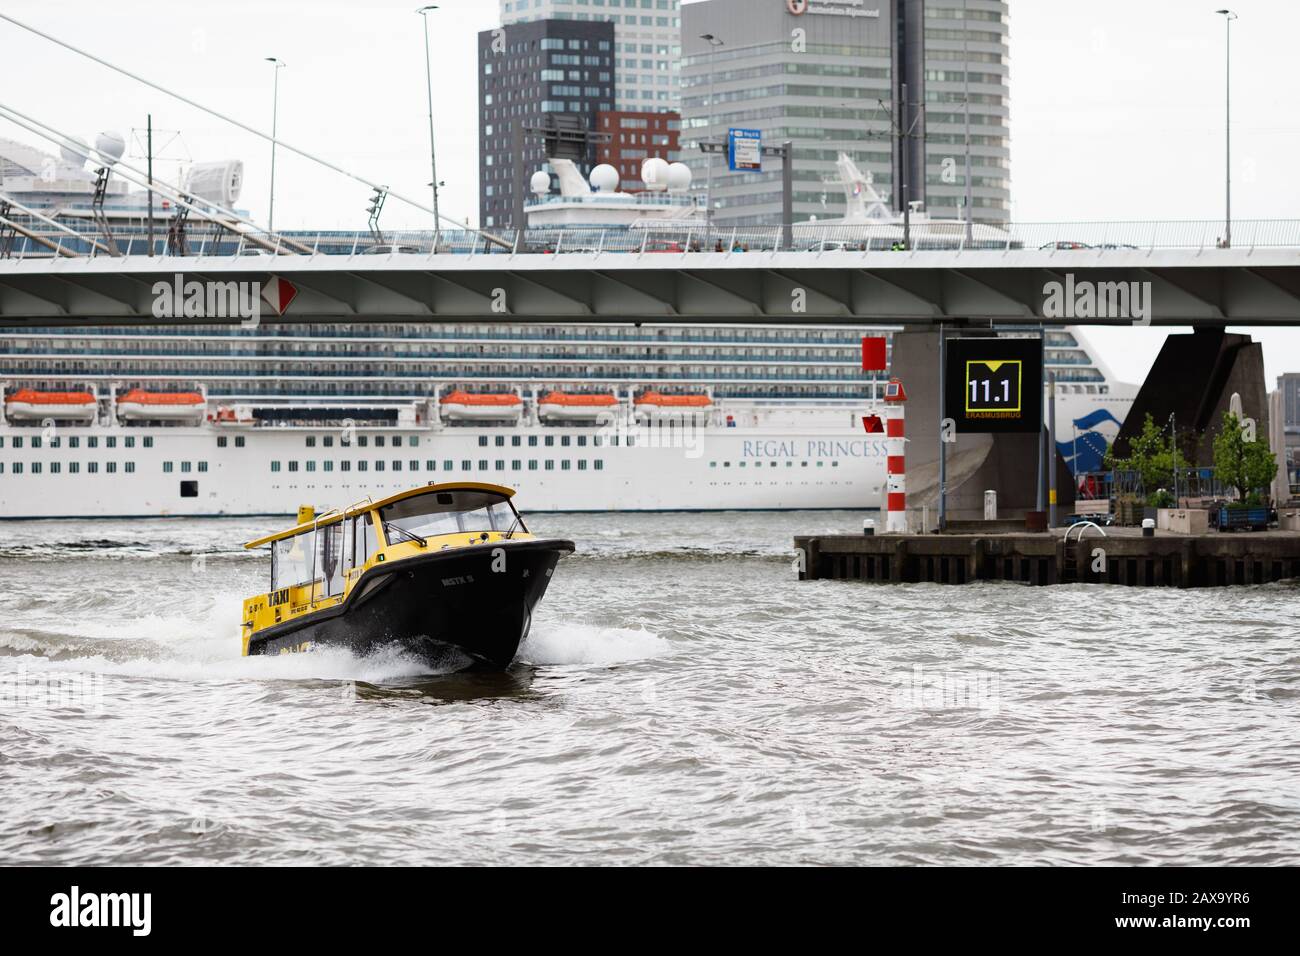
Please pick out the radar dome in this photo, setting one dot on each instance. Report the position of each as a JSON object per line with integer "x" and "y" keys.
{"x": 679, "y": 177}
{"x": 69, "y": 151}
{"x": 540, "y": 182}
{"x": 110, "y": 147}
{"x": 604, "y": 178}
{"x": 654, "y": 173}
{"x": 218, "y": 183}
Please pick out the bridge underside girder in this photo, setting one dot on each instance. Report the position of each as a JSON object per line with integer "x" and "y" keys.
{"x": 780, "y": 288}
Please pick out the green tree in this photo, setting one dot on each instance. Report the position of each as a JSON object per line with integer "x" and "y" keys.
{"x": 1153, "y": 454}
{"x": 1245, "y": 465}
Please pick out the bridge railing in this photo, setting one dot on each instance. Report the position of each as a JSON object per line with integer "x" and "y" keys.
{"x": 648, "y": 238}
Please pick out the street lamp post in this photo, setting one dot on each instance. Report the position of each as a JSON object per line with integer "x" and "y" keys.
{"x": 965, "y": 73}
{"x": 1228, "y": 17}
{"x": 275, "y": 116}
{"x": 428, "y": 76}
{"x": 714, "y": 43}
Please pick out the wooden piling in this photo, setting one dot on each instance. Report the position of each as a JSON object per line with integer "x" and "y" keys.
{"x": 1170, "y": 560}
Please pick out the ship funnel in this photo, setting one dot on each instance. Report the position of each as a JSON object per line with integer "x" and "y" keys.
{"x": 861, "y": 199}
{"x": 571, "y": 180}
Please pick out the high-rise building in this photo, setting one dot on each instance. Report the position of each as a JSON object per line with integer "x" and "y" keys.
{"x": 1288, "y": 417}
{"x": 555, "y": 74}
{"x": 634, "y": 138}
{"x": 829, "y": 76}
{"x": 966, "y": 66}
{"x": 647, "y": 40}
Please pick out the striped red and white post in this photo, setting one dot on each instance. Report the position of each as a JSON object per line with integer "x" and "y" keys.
{"x": 896, "y": 477}
{"x": 896, "y": 467}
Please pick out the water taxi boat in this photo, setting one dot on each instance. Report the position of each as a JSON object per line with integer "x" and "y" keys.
{"x": 434, "y": 570}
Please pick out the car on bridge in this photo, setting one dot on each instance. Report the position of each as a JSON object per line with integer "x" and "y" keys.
{"x": 390, "y": 249}
{"x": 665, "y": 245}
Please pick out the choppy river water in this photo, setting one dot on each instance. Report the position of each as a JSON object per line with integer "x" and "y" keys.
{"x": 682, "y": 699}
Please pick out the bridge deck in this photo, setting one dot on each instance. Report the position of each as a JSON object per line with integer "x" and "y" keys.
{"x": 1213, "y": 287}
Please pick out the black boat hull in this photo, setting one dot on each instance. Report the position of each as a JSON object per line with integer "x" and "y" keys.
{"x": 477, "y": 600}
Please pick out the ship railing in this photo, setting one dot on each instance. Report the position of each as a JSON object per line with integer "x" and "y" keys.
{"x": 646, "y": 198}
{"x": 1100, "y": 238}
{"x": 439, "y": 333}
{"x": 852, "y": 375}
{"x": 324, "y": 359}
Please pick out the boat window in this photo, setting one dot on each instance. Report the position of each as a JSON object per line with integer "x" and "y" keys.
{"x": 331, "y": 559}
{"x": 292, "y": 560}
{"x": 360, "y": 540}
{"x": 447, "y": 512}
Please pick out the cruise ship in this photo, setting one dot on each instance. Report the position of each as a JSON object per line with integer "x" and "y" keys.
{"x": 222, "y": 420}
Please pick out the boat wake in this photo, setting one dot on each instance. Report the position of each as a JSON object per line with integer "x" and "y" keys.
{"x": 206, "y": 648}
{"x": 556, "y": 643}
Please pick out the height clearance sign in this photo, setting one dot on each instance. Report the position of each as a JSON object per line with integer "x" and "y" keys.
{"x": 745, "y": 150}
{"x": 994, "y": 385}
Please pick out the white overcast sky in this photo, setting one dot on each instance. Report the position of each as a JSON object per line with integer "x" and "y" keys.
{"x": 1116, "y": 107}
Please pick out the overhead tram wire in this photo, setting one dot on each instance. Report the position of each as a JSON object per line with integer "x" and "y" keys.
{"x": 497, "y": 240}
{"x": 60, "y": 138}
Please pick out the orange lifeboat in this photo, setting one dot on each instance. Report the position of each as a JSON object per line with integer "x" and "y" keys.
{"x": 575, "y": 407}
{"x": 656, "y": 405}
{"x": 481, "y": 406}
{"x": 139, "y": 405}
{"x": 28, "y": 405}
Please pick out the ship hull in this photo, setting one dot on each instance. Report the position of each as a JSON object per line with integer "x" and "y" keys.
{"x": 464, "y": 607}
{"x": 813, "y": 459}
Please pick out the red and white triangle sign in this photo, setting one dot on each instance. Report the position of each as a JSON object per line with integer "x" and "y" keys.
{"x": 277, "y": 293}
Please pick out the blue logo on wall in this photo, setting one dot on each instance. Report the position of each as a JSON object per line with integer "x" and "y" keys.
{"x": 1086, "y": 450}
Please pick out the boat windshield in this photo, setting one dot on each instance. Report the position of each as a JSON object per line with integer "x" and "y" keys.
{"x": 447, "y": 512}
{"x": 293, "y": 560}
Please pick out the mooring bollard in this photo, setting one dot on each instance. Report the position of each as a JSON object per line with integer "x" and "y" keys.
{"x": 1148, "y": 527}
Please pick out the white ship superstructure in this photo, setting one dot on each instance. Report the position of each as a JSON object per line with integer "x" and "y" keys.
{"x": 599, "y": 204}
{"x": 869, "y": 222}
